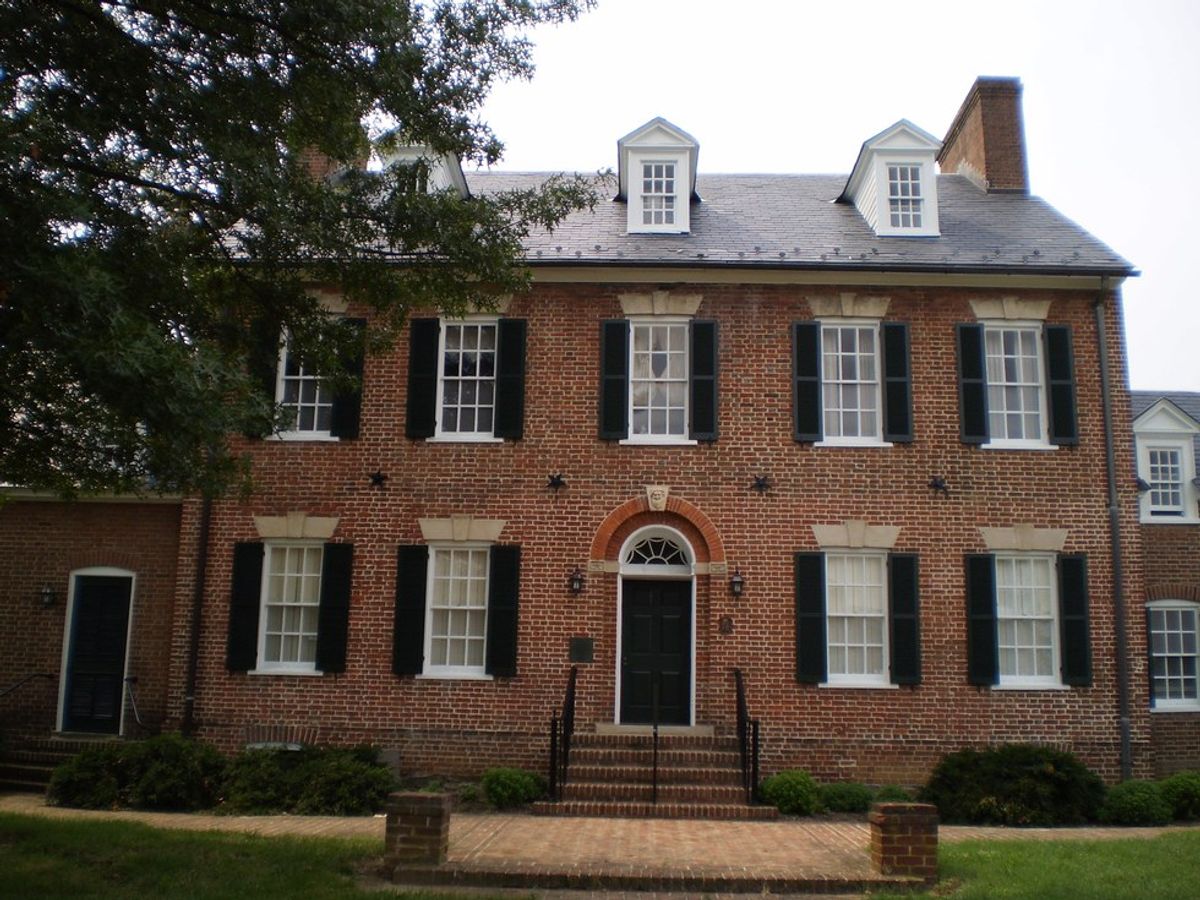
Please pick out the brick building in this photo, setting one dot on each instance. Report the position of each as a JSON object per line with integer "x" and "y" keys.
{"x": 857, "y": 437}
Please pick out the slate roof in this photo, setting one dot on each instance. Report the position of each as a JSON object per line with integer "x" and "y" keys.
{"x": 791, "y": 221}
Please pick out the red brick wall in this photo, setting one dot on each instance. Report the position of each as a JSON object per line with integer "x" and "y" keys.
{"x": 987, "y": 139}
{"x": 1172, "y": 554}
{"x": 41, "y": 544}
{"x": 870, "y": 735}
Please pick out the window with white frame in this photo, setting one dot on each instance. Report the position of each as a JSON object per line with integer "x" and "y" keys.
{"x": 857, "y": 618}
{"x": 850, "y": 382}
{"x": 658, "y": 193}
{"x": 904, "y": 195}
{"x": 1026, "y": 620}
{"x": 456, "y": 633}
{"x": 658, "y": 384}
{"x": 1173, "y": 654}
{"x": 1015, "y": 392}
{"x": 291, "y": 598}
{"x": 467, "y": 379}
{"x": 305, "y": 395}
{"x": 1164, "y": 471}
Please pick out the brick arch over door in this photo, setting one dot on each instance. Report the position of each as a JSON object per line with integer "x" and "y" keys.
{"x": 1174, "y": 592}
{"x": 636, "y": 513}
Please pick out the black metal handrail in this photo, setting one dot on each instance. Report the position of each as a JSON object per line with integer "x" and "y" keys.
{"x": 562, "y": 729}
{"x": 4, "y": 692}
{"x": 748, "y": 740}
{"x": 137, "y": 716}
{"x": 654, "y": 759}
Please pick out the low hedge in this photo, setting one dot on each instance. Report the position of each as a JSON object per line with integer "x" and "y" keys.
{"x": 793, "y": 792}
{"x": 1135, "y": 803}
{"x": 1182, "y": 793}
{"x": 846, "y": 796}
{"x": 505, "y": 788}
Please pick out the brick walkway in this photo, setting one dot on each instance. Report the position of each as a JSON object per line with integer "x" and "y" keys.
{"x": 796, "y": 853}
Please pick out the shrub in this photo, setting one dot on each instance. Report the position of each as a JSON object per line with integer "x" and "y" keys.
{"x": 1016, "y": 784}
{"x": 1182, "y": 793}
{"x": 845, "y": 796}
{"x": 1135, "y": 803}
{"x": 505, "y": 788}
{"x": 164, "y": 772}
{"x": 262, "y": 781}
{"x": 308, "y": 782}
{"x": 892, "y": 793}
{"x": 794, "y": 792}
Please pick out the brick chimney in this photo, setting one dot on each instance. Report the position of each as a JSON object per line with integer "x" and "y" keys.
{"x": 320, "y": 166}
{"x": 986, "y": 141}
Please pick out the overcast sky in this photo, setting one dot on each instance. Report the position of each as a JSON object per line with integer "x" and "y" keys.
{"x": 1112, "y": 111}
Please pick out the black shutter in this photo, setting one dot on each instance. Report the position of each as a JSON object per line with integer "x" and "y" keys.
{"x": 408, "y": 634}
{"x": 614, "y": 379}
{"x": 1073, "y": 620}
{"x": 703, "y": 334}
{"x": 806, "y": 381}
{"x": 347, "y": 401}
{"x": 982, "y": 654}
{"x": 972, "y": 385}
{"x": 1060, "y": 385}
{"x": 241, "y": 649}
{"x": 510, "y": 379}
{"x": 810, "y": 617}
{"x": 897, "y": 383}
{"x": 262, "y": 365}
{"x": 904, "y": 618}
{"x": 504, "y": 579}
{"x": 333, "y": 615}
{"x": 421, "y": 421}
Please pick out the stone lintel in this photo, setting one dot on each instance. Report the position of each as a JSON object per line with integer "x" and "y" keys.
{"x": 1011, "y": 308}
{"x": 660, "y": 303}
{"x": 856, "y": 535}
{"x": 296, "y": 525}
{"x": 1025, "y": 537}
{"x": 849, "y": 305}
{"x": 462, "y": 528}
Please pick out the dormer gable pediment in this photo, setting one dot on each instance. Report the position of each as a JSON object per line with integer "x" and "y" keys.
{"x": 1164, "y": 417}
{"x": 894, "y": 181}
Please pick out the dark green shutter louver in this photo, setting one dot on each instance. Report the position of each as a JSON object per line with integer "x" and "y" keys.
{"x": 703, "y": 380}
{"x": 504, "y": 580}
{"x": 897, "y": 383}
{"x": 408, "y": 633}
{"x": 346, "y": 411}
{"x": 510, "y": 379}
{"x": 972, "y": 385}
{"x": 810, "y": 617}
{"x": 241, "y": 649}
{"x": 806, "y": 382}
{"x": 1074, "y": 624}
{"x": 262, "y": 364}
{"x": 421, "y": 412}
{"x": 982, "y": 653}
{"x": 333, "y": 615}
{"x": 614, "y": 379}
{"x": 904, "y": 618}
{"x": 1060, "y": 385}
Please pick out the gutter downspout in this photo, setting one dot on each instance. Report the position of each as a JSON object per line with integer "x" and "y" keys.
{"x": 1114, "y": 529}
{"x": 188, "y": 724}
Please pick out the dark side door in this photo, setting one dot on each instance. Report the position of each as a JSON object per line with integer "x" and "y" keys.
{"x": 96, "y": 658}
{"x": 656, "y": 652}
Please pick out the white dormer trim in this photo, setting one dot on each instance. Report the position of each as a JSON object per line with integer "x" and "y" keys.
{"x": 904, "y": 146}
{"x": 667, "y": 148}
{"x": 1164, "y": 426}
{"x": 445, "y": 171}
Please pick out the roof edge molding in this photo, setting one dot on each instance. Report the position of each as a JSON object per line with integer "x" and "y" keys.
{"x": 867, "y": 188}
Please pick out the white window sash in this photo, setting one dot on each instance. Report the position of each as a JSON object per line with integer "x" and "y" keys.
{"x": 882, "y": 678}
{"x": 1053, "y": 678}
{"x": 324, "y": 398}
{"x": 447, "y": 670}
{"x": 441, "y": 434}
{"x": 1000, "y": 439}
{"x": 684, "y": 382}
{"x": 295, "y": 667}
{"x": 1175, "y": 704}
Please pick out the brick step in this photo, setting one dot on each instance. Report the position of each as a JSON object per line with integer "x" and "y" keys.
{"x": 644, "y": 756}
{"x": 35, "y": 758}
{"x": 673, "y": 741}
{"x": 642, "y": 793}
{"x": 629, "y": 810}
{"x": 62, "y": 747}
{"x": 15, "y": 771}
{"x": 667, "y": 775}
{"x": 16, "y": 786}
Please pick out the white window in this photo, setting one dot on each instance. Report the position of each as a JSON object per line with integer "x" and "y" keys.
{"x": 658, "y": 383}
{"x": 658, "y": 193}
{"x": 904, "y": 195}
{"x": 1173, "y": 654}
{"x": 467, "y": 380}
{"x": 1026, "y": 620}
{"x": 850, "y": 382}
{"x": 856, "y": 618}
{"x": 1015, "y": 392}
{"x": 291, "y": 598}
{"x": 456, "y": 629}
{"x": 1164, "y": 471}
{"x": 305, "y": 395}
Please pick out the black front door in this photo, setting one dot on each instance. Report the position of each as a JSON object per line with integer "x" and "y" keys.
{"x": 656, "y": 652}
{"x": 96, "y": 659}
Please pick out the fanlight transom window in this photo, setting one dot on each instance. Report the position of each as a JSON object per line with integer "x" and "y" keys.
{"x": 656, "y": 551}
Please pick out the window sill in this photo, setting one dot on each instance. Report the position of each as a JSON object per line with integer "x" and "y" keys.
{"x": 1030, "y": 686}
{"x": 1018, "y": 445}
{"x": 834, "y": 442}
{"x": 658, "y": 442}
{"x": 315, "y": 437}
{"x": 1193, "y": 708}
{"x": 454, "y": 676}
{"x": 464, "y": 439}
{"x": 1168, "y": 520}
{"x": 860, "y": 685}
{"x": 303, "y": 673}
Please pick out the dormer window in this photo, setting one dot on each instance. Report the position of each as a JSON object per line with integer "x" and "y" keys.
{"x": 893, "y": 184}
{"x": 657, "y": 178}
{"x": 1166, "y": 459}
